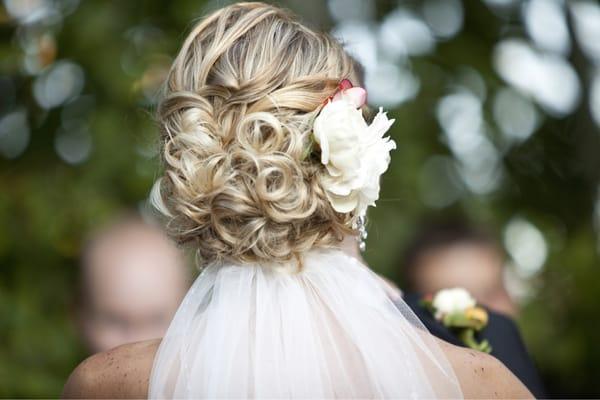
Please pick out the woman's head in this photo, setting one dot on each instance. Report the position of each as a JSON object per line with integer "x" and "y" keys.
{"x": 235, "y": 126}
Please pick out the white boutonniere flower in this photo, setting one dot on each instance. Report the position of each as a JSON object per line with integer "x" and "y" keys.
{"x": 354, "y": 153}
{"x": 455, "y": 300}
{"x": 457, "y": 310}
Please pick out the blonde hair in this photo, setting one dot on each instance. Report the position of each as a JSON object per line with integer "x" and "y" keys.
{"x": 235, "y": 124}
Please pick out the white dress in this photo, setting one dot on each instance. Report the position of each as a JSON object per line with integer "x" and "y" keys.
{"x": 326, "y": 331}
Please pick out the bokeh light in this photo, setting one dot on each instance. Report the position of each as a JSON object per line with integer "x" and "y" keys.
{"x": 14, "y": 134}
{"x": 547, "y": 77}
{"x": 515, "y": 114}
{"x": 61, "y": 82}
{"x": 546, "y": 24}
{"x": 526, "y": 245}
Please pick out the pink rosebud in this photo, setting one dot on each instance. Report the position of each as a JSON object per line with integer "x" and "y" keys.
{"x": 356, "y": 95}
{"x": 345, "y": 84}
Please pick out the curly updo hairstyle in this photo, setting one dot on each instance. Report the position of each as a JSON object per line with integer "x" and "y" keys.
{"x": 235, "y": 123}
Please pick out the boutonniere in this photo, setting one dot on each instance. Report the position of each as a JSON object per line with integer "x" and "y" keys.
{"x": 457, "y": 310}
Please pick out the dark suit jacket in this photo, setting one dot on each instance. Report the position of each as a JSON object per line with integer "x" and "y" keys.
{"x": 503, "y": 335}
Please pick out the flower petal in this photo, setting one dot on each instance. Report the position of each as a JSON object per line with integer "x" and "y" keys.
{"x": 380, "y": 123}
{"x": 343, "y": 204}
{"x": 357, "y": 96}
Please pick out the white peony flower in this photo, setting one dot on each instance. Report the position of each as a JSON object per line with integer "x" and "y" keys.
{"x": 448, "y": 301}
{"x": 355, "y": 154}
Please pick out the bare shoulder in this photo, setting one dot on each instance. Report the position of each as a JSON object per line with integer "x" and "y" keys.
{"x": 123, "y": 372}
{"x": 483, "y": 376}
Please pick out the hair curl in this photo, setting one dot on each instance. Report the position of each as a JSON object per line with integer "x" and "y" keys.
{"x": 235, "y": 122}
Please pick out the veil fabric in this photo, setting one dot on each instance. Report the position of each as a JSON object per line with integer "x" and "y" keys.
{"x": 326, "y": 331}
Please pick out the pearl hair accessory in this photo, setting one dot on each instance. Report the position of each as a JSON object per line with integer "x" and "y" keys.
{"x": 362, "y": 233}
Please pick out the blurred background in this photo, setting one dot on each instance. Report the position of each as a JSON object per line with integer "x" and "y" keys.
{"x": 497, "y": 107}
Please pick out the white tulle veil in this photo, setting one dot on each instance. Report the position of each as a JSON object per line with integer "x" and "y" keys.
{"x": 326, "y": 331}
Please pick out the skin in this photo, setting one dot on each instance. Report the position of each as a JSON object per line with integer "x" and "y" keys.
{"x": 482, "y": 376}
{"x": 133, "y": 281}
{"x": 475, "y": 267}
{"x": 124, "y": 372}
{"x": 120, "y": 373}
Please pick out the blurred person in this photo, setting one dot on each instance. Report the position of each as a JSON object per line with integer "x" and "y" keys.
{"x": 281, "y": 309}
{"x": 132, "y": 281}
{"x": 455, "y": 254}
{"x": 501, "y": 332}
{"x": 452, "y": 253}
